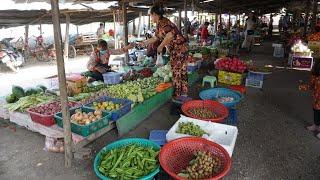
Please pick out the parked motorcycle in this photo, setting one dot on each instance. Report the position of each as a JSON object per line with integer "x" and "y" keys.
{"x": 10, "y": 56}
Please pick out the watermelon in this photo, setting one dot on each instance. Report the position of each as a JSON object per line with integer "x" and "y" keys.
{"x": 18, "y": 92}
{"x": 11, "y": 98}
{"x": 42, "y": 87}
{"x": 31, "y": 91}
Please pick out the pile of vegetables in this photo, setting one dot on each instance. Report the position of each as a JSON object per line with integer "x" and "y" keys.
{"x": 164, "y": 72}
{"x": 83, "y": 118}
{"x": 50, "y": 108}
{"x": 225, "y": 45}
{"x": 314, "y": 37}
{"x": 205, "y": 51}
{"x": 93, "y": 87}
{"x": 18, "y": 92}
{"x": 204, "y": 165}
{"x": 190, "y": 128}
{"x": 145, "y": 72}
{"x": 27, "y": 102}
{"x": 85, "y": 98}
{"x": 136, "y": 91}
{"x": 129, "y": 162}
{"x": 163, "y": 86}
{"x": 203, "y": 113}
{"x": 106, "y": 106}
{"x": 231, "y": 65}
{"x": 133, "y": 75}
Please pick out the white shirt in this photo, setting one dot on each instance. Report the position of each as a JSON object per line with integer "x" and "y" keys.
{"x": 250, "y": 24}
{"x": 211, "y": 29}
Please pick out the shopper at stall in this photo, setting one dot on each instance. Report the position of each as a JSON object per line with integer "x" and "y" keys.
{"x": 99, "y": 59}
{"x": 170, "y": 37}
{"x": 100, "y": 31}
{"x": 270, "y": 29}
{"x": 249, "y": 31}
{"x": 204, "y": 35}
{"x": 315, "y": 86}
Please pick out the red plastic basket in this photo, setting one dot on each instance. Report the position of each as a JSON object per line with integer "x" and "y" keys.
{"x": 219, "y": 109}
{"x": 239, "y": 88}
{"x": 46, "y": 120}
{"x": 176, "y": 155}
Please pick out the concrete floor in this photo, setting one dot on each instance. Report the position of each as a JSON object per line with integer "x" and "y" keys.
{"x": 272, "y": 141}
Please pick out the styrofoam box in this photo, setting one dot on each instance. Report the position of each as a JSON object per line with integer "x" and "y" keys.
{"x": 222, "y": 134}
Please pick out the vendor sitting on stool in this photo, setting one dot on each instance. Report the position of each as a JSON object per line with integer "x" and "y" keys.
{"x": 99, "y": 59}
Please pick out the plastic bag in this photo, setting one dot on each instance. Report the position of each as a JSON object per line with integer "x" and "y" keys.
{"x": 54, "y": 145}
{"x": 159, "y": 61}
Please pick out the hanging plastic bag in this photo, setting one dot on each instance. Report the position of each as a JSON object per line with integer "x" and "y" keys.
{"x": 159, "y": 61}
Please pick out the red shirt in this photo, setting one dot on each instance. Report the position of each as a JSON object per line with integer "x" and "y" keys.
{"x": 204, "y": 33}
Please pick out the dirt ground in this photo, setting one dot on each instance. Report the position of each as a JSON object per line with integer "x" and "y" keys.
{"x": 272, "y": 142}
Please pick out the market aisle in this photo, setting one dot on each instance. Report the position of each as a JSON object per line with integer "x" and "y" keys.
{"x": 272, "y": 142}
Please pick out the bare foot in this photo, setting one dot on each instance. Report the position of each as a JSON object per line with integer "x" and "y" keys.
{"x": 313, "y": 128}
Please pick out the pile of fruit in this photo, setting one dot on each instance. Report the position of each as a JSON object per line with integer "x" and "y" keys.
{"x": 202, "y": 113}
{"x": 314, "y": 37}
{"x": 83, "y": 118}
{"x": 50, "y": 108}
{"x": 27, "y": 102}
{"x": 204, "y": 165}
{"x": 129, "y": 162}
{"x": 18, "y": 92}
{"x": 231, "y": 65}
{"x": 164, "y": 72}
{"x": 225, "y": 99}
{"x": 106, "y": 106}
{"x": 190, "y": 128}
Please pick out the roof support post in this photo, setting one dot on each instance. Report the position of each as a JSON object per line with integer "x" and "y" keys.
{"x": 149, "y": 22}
{"x": 216, "y": 22}
{"x": 185, "y": 19}
{"x": 314, "y": 14}
{"x": 229, "y": 21}
{"x": 115, "y": 31}
{"x": 40, "y": 29}
{"x": 139, "y": 24}
{"x": 66, "y": 38}
{"x": 62, "y": 84}
{"x": 125, "y": 22}
{"x": 179, "y": 20}
{"x": 133, "y": 26}
{"x": 26, "y": 38}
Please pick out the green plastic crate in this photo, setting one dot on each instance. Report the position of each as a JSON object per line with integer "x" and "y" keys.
{"x": 85, "y": 130}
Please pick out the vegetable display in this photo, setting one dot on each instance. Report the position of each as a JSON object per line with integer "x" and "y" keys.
{"x": 204, "y": 165}
{"x": 164, "y": 72}
{"x": 203, "y": 113}
{"x": 190, "y": 128}
{"x": 18, "y": 92}
{"x": 231, "y": 65}
{"x": 145, "y": 72}
{"x": 50, "y": 108}
{"x": 129, "y": 162}
{"x": 84, "y": 118}
{"x": 314, "y": 37}
{"x": 27, "y": 102}
{"x": 163, "y": 86}
{"x": 108, "y": 105}
{"x": 93, "y": 88}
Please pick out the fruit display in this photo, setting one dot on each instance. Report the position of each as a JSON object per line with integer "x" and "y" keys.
{"x": 164, "y": 72}
{"x": 83, "y": 118}
{"x": 132, "y": 75}
{"x": 231, "y": 65}
{"x": 106, "y": 106}
{"x": 93, "y": 88}
{"x": 225, "y": 99}
{"x": 136, "y": 91}
{"x": 190, "y": 128}
{"x": 18, "y": 92}
{"x": 27, "y": 102}
{"x": 229, "y": 78}
{"x": 50, "y": 108}
{"x": 299, "y": 47}
{"x": 204, "y": 165}
{"x": 128, "y": 162}
{"x": 203, "y": 113}
{"x": 85, "y": 98}
{"x": 314, "y": 37}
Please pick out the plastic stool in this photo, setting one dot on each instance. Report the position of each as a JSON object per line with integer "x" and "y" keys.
{"x": 210, "y": 79}
{"x": 158, "y": 136}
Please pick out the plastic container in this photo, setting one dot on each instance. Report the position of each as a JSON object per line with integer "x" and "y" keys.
{"x": 111, "y": 78}
{"x": 222, "y": 134}
{"x": 254, "y": 80}
{"x": 46, "y": 120}
{"x": 121, "y": 143}
{"x": 215, "y": 93}
{"x": 230, "y": 78}
{"x": 158, "y": 136}
{"x": 85, "y": 130}
{"x": 176, "y": 155}
{"x": 193, "y": 68}
{"x": 116, "y": 114}
{"x": 219, "y": 109}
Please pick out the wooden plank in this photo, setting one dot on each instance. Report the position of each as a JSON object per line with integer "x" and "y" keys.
{"x": 125, "y": 22}
{"x": 62, "y": 83}
{"x": 139, "y": 24}
{"x": 94, "y": 136}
